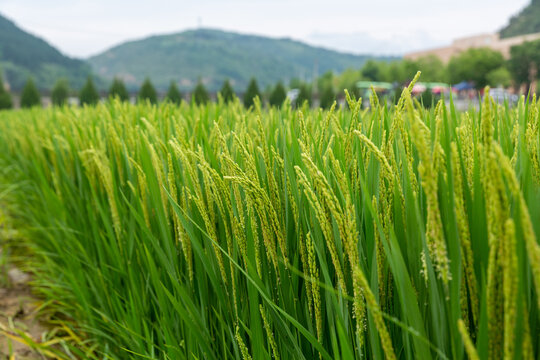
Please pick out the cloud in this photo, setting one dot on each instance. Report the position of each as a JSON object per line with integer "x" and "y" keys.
{"x": 381, "y": 44}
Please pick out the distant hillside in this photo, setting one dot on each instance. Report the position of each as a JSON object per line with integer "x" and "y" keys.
{"x": 23, "y": 55}
{"x": 526, "y": 22}
{"x": 214, "y": 56}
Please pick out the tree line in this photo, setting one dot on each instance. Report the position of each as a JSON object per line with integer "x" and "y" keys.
{"x": 479, "y": 66}
{"x": 89, "y": 94}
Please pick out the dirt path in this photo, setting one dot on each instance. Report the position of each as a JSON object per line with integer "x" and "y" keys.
{"x": 21, "y": 332}
{"x": 18, "y": 321}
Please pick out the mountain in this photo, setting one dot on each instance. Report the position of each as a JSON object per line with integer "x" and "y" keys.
{"x": 526, "y": 22}
{"x": 23, "y": 55}
{"x": 214, "y": 56}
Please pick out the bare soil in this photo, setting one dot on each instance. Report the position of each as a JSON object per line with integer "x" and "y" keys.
{"x": 18, "y": 313}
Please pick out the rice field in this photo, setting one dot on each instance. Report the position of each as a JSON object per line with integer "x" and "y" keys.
{"x": 216, "y": 232}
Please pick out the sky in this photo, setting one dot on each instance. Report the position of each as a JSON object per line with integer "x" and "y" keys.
{"x": 81, "y": 28}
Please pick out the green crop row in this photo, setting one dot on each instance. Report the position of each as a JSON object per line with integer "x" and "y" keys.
{"x": 216, "y": 232}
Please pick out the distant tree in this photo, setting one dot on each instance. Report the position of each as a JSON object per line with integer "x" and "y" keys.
{"x": 371, "y": 70}
{"x": 408, "y": 70}
{"x": 173, "y": 94}
{"x": 295, "y": 83}
{"x": 227, "y": 92}
{"x": 520, "y": 64}
{"x": 397, "y": 71}
{"x": 327, "y": 97}
{"x": 432, "y": 68}
{"x": 384, "y": 71}
{"x": 148, "y": 92}
{"x": 303, "y": 95}
{"x": 118, "y": 89}
{"x": 5, "y": 100}
{"x": 428, "y": 98}
{"x": 30, "y": 95}
{"x": 5, "y": 97}
{"x": 88, "y": 94}
{"x": 60, "y": 92}
{"x": 524, "y": 62}
{"x": 474, "y": 65}
{"x": 499, "y": 77}
{"x": 403, "y": 71}
{"x": 325, "y": 80}
{"x": 252, "y": 91}
{"x": 200, "y": 95}
{"x": 278, "y": 95}
{"x": 347, "y": 81}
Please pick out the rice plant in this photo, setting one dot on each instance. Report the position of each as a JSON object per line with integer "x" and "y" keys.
{"x": 215, "y": 232}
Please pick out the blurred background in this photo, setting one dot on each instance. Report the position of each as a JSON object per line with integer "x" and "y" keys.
{"x": 78, "y": 52}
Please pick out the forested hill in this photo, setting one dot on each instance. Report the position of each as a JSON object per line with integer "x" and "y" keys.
{"x": 213, "y": 56}
{"x": 23, "y": 55}
{"x": 526, "y": 22}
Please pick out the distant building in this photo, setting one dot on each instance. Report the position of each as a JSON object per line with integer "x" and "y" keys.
{"x": 492, "y": 41}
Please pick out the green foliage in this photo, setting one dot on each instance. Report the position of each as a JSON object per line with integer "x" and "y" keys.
{"x": 251, "y": 93}
{"x": 208, "y": 232}
{"x": 88, "y": 95}
{"x": 432, "y": 68}
{"x": 401, "y": 70}
{"x": 217, "y": 56}
{"x": 520, "y": 63}
{"x": 147, "y": 92}
{"x": 347, "y": 81}
{"x": 23, "y": 55}
{"x": 60, "y": 93}
{"x": 428, "y": 99}
{"x": 397, "y": 71}
{"x": 5, "y": 100}
{"x": 526, "y": 22}
{"x": 30, "y": 96}
{"x": 227, "y": 92}
{"x": 295, "y": 83}
{"x": 326, "y": 80}
{"x": 304, "y": 95}
{"x": 173, "y": 94}
{"x": 118, "y": 90}
{"x": 328, "y": 96}
{"x": 499, "y": 77}
{"x": 474, "y": 65}
{"x": 200, "y": 95}
{"x": 372, "y": 70}
{"x": 278, "y": 95}
{"x": 5, "y": 97}
{"x": 524, "y": 58}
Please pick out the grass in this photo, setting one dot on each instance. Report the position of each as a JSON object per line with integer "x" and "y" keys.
{"x": 207, "y": 232}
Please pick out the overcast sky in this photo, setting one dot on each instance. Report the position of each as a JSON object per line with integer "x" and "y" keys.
{"x": 82, "y": 27}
